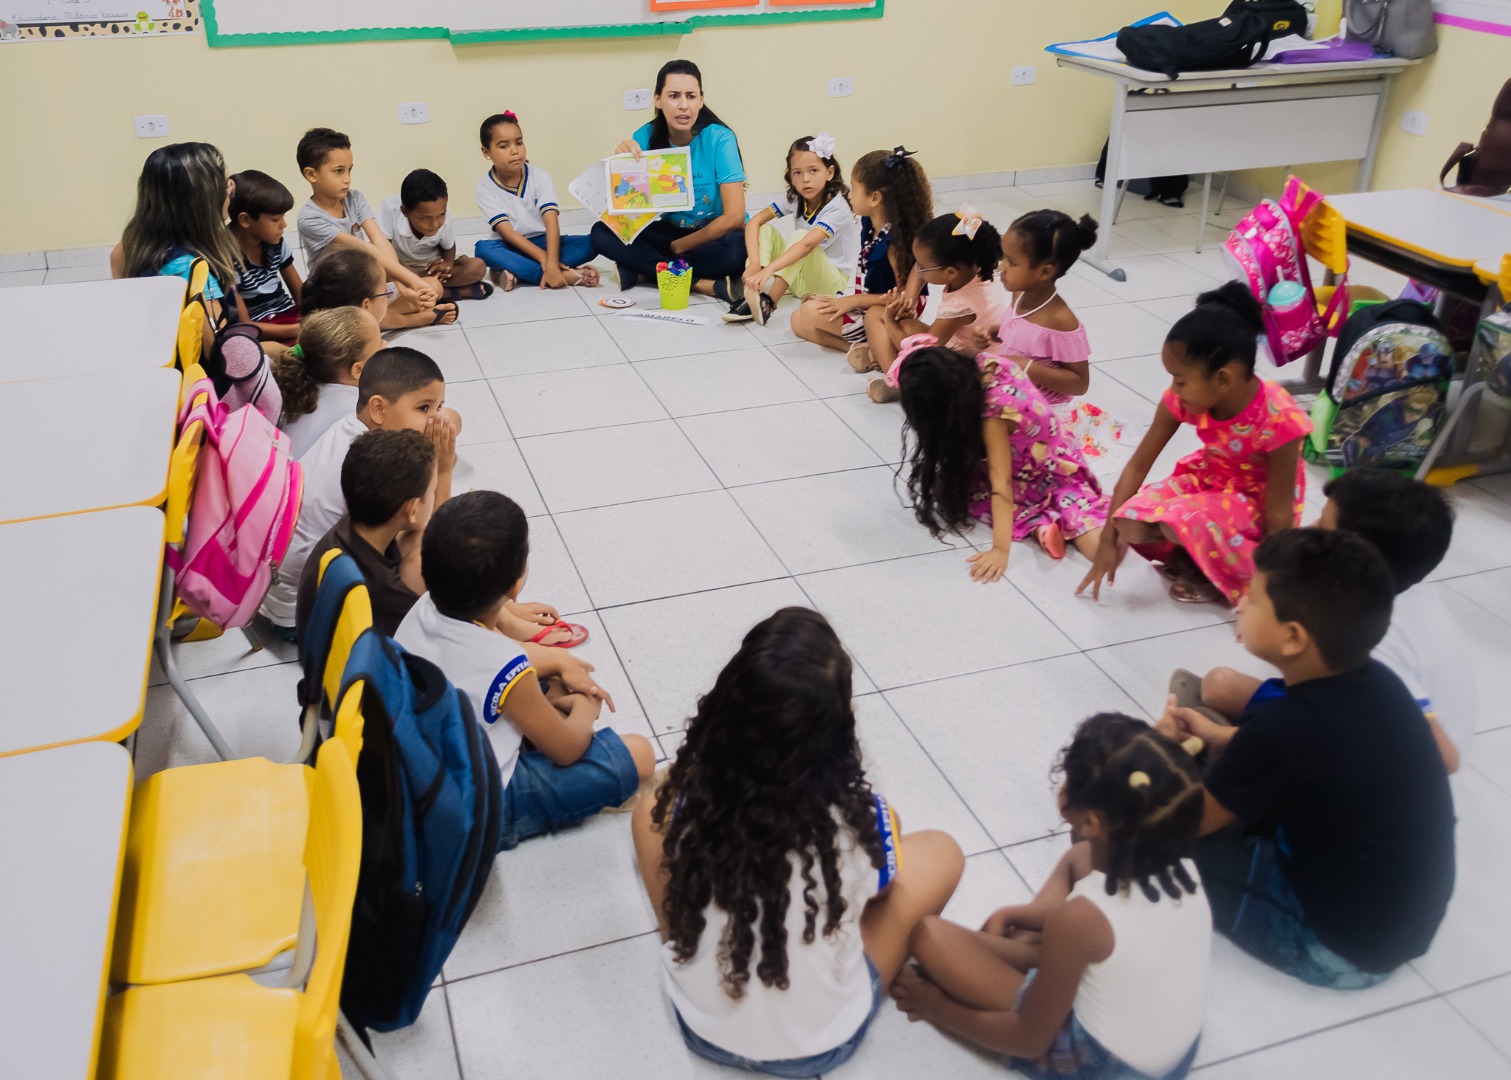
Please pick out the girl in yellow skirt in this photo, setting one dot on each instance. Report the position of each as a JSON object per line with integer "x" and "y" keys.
{"x": 818, "y": 259}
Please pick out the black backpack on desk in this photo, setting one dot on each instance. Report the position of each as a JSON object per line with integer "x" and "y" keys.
{"x": 1239, "y": 37}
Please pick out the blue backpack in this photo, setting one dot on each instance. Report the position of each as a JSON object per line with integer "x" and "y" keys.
{"x": 431, "y": 799}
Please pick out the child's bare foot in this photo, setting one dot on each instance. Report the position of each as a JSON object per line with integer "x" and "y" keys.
{"x": 503, "y": 279}
{"x": 1051, "y": 539}
{"x": 859, "y": 358}
{"x": 882, "y": 392}
{"x": 585, "y": 276}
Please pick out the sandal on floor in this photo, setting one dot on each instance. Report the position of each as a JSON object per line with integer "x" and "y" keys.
{"x": 479, "y": 290}
{"x": 587, "y": 277}
{"x": 1051, "y": 539}
{"x": 859, "y": 358}
{"x": 881, "y": 393}
{"x": 504, "y": 279}
{"x": 579, "y": 634}
{"x": 1195, "y": 590}
{"x": 441, "y": 311}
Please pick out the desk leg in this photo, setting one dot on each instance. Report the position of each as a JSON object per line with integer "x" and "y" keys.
{"x": 1098, "y": 259}
{"x": 1367, "y": 164}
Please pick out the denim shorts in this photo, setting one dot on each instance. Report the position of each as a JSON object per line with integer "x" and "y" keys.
{"x": 1254, "y": 906}
{"x": 792, "y": 1067}
{"x": 542, "y": 796}
{"x": 1076, "y": 1055}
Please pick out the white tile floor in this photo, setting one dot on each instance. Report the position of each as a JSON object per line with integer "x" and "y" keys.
{"x": 685, "y": 482}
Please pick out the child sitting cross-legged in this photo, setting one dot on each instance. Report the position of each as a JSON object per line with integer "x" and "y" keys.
{"x": 474, "y": 558}
{"x": 418, "y": 225}
{"x": 1103, "y": 976}
{"x": 267, "y": 282}
{"x": 1328, "y": 825}
{"x": 319, "y": 375}
{"x": 1411, "y": 525}
{"x": 389, "y": 481}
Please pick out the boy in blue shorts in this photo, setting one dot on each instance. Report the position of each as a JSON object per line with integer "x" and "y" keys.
{"x": 474, "y": 557}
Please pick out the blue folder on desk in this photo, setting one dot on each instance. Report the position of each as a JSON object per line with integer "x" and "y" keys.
{"x": 1105, "y": 47}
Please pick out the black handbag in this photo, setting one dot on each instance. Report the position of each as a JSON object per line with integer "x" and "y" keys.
{"x": 1236, "y": 39}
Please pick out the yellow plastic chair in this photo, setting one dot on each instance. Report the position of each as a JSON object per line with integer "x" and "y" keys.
{"x": 1324, "y": 235}
{"x": 231, "y": 1027}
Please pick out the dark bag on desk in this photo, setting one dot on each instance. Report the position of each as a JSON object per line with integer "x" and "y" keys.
{"x": 1402, "y": 28}
{"x": 1238, "y": 38}
{"x": 1485, "y": 169}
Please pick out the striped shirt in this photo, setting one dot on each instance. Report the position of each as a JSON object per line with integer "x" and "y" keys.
{"x": 261, "y": 286}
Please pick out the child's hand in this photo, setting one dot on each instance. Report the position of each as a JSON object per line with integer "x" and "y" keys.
{"x": 989, "y": 566}
{"x": 541, "y": 614}
{"x": 443, "y": 437}
{"x": 577, "y": 678}
{"x": 979, "y": 337}
{"x": 831, "y": 307}
{"x": 438, "y": 268}
{"x": 898, "y": 305}
{"x": 1105, "y": 565}
{"x": 551, "y": 277}
{"x": 1178, "y": 724}
{"x": 755, "y": 277}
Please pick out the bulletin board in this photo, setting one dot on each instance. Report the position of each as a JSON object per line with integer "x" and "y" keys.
{"x": 50, "y": 20}
{"x": 292, "y": 22}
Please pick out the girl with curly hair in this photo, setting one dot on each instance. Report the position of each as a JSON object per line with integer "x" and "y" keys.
{"x": 785, "y": 893}
{"x": 1104, "y": 974}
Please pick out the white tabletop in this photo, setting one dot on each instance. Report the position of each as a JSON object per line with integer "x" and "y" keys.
{"x": 71, "y": 445}
{"x": 88, "y": 328}
{"x": 1337, "y": 71}
{"x": 1443, "y": 228}
{"x": 60, "y": 860}
{"x": 81, "y": 596}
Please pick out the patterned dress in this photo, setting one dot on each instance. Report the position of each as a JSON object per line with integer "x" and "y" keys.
{"x": 1088, "y": 425}
{"x": 1215, "y": 498}
{"x": 1051, "y": 483}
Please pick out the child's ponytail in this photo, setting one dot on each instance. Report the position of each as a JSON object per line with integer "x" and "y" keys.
{"x": 963, "y": 239}
{"x": 330, "y": 343}
{"x": 906, "y": 194}
{"x": 1223, "y": 328}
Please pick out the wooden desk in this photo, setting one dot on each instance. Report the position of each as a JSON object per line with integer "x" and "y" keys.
{"x": 80, "y": 608}
{"x": 1244, "y": 118}
{"x": 60, "y": 855}
{"x": 88, "y": 328}
{"x": 90, "y": 443}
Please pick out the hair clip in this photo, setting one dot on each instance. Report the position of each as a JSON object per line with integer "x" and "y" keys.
{"x": 822, "y": 144}
{"x": 970, "y": 221}
{"x": 898, "y": 154}
{"x": 297, "y": 352}
{"x": 910, "y": 345}
{"x": 1138, "y": 779}
{"x": 509, "y": 115}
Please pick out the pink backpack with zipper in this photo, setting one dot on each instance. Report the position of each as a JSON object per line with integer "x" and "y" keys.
{"x": 247, "y": 491}
{"x": 1265, "y": 249}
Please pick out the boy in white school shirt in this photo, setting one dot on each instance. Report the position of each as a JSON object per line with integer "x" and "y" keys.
{"x": 418, "y": 224}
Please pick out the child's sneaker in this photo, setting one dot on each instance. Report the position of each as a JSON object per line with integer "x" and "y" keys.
{"x": 759, "y": 305}
{"x": 859, "y": 358}
{"x": 881, "y": 392}
{"x": 738, "y": 313}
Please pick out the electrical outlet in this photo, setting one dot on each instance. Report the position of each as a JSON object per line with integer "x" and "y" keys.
{"x": 635, "y": 100}
{"x": 1413, "y": 122}
{"x": 414, "y": 112}
{"x": 150, "y": 127}
{"x": 841, "y": 87}
{"x": 1024, "y": 76}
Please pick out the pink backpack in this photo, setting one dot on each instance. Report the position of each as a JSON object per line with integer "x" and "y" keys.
{"x": 247, "y": 491}
{"x": 1265, "y": 249}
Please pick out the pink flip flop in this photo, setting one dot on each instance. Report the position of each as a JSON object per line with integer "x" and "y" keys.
{"x": 579, "y": 635}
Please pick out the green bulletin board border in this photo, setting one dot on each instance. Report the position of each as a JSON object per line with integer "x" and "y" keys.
{"x": 545, "y": 33}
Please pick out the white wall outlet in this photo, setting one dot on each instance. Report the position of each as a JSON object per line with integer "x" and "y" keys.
{"x": 150, "y": 127}
{"x": 635, "y": 100}
{"x": 1024, "y": 76}
{"x": 844, "y": 86}
{"x": 1413, "y": 122}
{"x": 414, "y": 112}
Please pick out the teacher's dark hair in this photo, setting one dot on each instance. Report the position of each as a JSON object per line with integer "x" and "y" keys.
{"x": 661, "y": 136}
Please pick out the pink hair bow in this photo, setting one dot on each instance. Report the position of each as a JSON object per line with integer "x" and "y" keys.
{"x": 508, "y": 114}
{"x": 970, "y": 221}
{"x": 910, "y": 345}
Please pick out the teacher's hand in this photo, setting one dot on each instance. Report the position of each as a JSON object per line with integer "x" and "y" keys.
{"x": 628, "y": 146}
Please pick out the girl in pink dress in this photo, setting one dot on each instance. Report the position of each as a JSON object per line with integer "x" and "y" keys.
{"x": 988, "y": 446}
{"x": 1245, "y": 483}
{"x": 1038, "y": 329}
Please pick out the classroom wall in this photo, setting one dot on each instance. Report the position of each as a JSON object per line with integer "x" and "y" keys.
{"x": 932, "y": 74}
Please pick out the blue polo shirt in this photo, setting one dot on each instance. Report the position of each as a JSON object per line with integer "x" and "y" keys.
{"x": 716, "y": 160}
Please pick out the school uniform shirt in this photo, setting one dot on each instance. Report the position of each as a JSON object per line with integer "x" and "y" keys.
{"x": 1424, "y": 647}
{"x": 322, "y": 507}
{"x": 391, "y": 598}
{"x": 1345, "y": 774}
{"x": 523, "y": 207}
{"x": 481, "y": 663}
{"x": 715, "y": 161}
{"x": 415, "y": 252}
{"x": 829, "y": 991}
{"x": 841, "y": 227}
{"x": 332, "y": 402}
{"x": 317, "y": 228}
{"x": 261, "y": 284}
{"x": 1145, "y": 1002}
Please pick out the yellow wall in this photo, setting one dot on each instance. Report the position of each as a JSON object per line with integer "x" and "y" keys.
{"x": 932, "y": 74}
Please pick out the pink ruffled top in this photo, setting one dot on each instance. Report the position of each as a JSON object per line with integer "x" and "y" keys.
{"x": 1043, "y": 345}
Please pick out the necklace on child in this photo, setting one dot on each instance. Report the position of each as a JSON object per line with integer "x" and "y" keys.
{"x": 1025, "y": 314}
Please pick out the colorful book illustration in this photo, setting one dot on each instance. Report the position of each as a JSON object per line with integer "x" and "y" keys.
{"x": 655, "y": 182}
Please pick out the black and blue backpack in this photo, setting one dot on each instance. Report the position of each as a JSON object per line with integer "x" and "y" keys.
{"x": 431, "y": 801}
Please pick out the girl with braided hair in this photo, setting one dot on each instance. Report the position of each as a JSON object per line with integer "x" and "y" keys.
{"x": 1103, "y": 976}
{"x": 786, "y": 894}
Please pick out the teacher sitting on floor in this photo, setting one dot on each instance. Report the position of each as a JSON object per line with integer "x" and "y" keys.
{"x": 710, "y": 236}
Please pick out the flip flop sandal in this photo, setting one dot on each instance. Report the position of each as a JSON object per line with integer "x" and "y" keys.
{"x": 859, "y": 358}
{"x": 1052, "y": 540}
{"x": 878, "y": 391}
{"x": 479, "y": 290}
{"x": 504, "y": 279}
{"x": 587, "y": 277}
{"x": 1188, "y": 590}
{"x": 441, "y": 311}
{"x": 1186, "y": 686}
{"x": 579, "y": 634}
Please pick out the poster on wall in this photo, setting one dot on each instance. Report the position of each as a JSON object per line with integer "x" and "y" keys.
{"x": 51, "y": 20}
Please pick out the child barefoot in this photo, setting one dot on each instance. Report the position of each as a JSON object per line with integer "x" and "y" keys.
{"x": 957, "y": 252}
{"x": 819, "y": 258}
{"x": 1041, "y": 332}
{"x": 891, "y": 193}
{"x": 784, "y": 889}
{"x": 1104, "y": 975}
{"x": 987, "y": 446}
{"x": 319, "y": 376}
{"x": 1246, "y": 483}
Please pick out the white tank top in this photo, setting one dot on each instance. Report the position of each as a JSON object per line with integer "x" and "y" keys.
{"x": 1145, "y": 1002}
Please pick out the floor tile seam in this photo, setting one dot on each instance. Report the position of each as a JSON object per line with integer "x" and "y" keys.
{"x": 1473, "y": 598}
{"x": 1132, "y": 390}
{"x": 221, "y": 674}
{"x": 1448, "y": 1000}
{"x": 552, "y": 956}
{"x": 744, "y": 408}
{"x": 456, "y": 1044}
{"x": 895, "y": 466}
{"x": 1492, "y": 781}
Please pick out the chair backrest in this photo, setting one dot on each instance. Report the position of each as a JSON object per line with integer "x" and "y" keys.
{"x": 1324, "y": 234}
{"x": 191, "y": 322}
{"x": 349, "y": 722}
{"x": 332, "y": 858}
